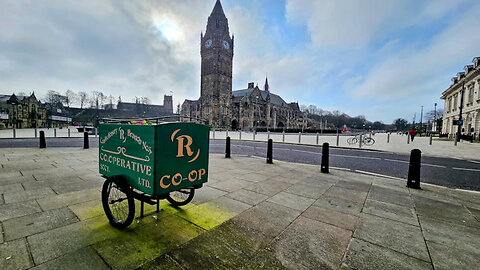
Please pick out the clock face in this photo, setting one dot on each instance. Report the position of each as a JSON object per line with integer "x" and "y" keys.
{"x": 208, "y": 43}
{"x": 226, "y": 45}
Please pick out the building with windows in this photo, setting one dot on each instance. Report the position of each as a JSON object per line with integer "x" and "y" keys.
{"x": 464, "y": 94}
{"x": 221, "y": 107}
{"x": 22, "y": 111}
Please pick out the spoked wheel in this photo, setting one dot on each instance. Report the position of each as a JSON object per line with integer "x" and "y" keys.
{"x": 181, "y": 197}
{"x": 118, "y": 203}
{"x": 352, "y": 140}
{"x": 368, "y": 141}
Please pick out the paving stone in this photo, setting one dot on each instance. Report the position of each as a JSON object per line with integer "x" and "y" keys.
{"x": 346, "y": 194}
{"x": 27, "y": 195}
{"x": 227, "y": 246}
{"x": 231, "y": 185}
{"x": 339, "y": 219}
{"x": 75, "y": 186}
{"x": 448, "y": 257}
{"x": 67, "y": 199}
{"x": 359, "y": 186}
{"x": 475, "y": 212}
{"x": 401, "y": 237}
{"x": 364, "y": 255}
{"x": 452, "y": 235}
{"x": 445, "y": 211}
{"x": 310, "y": 244}
{"x": 84, "y": 258}
{"x": 291, "y": 200}
{"x": 1, "y": 234}
{"x": 11, "y": 188}
{"x": 88, "y": 209}
{"x": 269, "y": 219}
{"x": 391, "y": 211}
{"x": 144, "y": 243}
{"x": 339, "y": 205}
{"x": 392, "y": 196}
{"x": 54, "y": 243}
{"x": 206, "y": 194}
{"x": 268, "y": 187}
{"x": 14, "y": 255}
{"x": 309, "y": 191}
{"x": 247, "y": 196}
{"x": 211, "y": 214}
{"x": 164, "y": 262}
{"x": 13, "y": 210}
{"x": 254, "y": 177}
{"x": 39, "y": 222}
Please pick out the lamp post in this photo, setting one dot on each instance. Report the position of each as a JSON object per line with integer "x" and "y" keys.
{"x": 435, "y": 118}
{"x": 421, "y": 121}
{"x": 457, "y": 138}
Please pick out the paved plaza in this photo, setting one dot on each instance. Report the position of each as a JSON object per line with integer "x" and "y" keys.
{"x": 249, "y": 215}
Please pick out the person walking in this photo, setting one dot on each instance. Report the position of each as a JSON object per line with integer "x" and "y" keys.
{"x": 412, "y": 133}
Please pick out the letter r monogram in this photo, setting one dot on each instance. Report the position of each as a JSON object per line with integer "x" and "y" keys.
{"x": 184, "y": 143}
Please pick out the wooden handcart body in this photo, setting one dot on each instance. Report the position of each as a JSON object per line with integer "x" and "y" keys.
{"x": 150, "y": 162}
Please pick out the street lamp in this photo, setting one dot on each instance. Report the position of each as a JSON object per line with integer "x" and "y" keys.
{"x": 459, "y": 122}
{"x": 435, "y": 117}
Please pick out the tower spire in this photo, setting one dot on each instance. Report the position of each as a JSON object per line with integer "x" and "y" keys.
{"x": 218, "y": 9}
{"x": 266, "y": 87}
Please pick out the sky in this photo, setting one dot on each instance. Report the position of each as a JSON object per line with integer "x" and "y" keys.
{"x": 381, "y": 59}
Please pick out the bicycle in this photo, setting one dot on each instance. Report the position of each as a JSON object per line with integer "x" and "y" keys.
{"x": 365, "y": 140}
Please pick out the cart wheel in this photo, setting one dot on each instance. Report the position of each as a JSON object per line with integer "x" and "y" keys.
{"x": 181, "y": 197}
{"x": 118, "y": 203}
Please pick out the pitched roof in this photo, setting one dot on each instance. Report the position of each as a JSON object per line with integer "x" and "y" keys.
{"x": 274, "y": 99}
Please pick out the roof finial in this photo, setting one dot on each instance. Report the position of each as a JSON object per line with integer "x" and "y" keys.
{"x": 266, "y": 87}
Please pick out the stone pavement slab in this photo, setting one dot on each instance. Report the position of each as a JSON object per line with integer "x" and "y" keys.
{"x": 401, "y": 237}
{"x": 13, "y": 210}
{"x": 291, "y": 200}
{"x": 247, "y": 196}
{"x": 268, "y": 187}
{"x": 14, "y": 255}
{"x": 365, "y": 255}
{"x": 310, "y": 244}
{"x": 391, "y": 211}
{"x": 27, "y": 195}
{"x": 339, "y": 219}
{"x": 84, "y": 258}
{"x": 39, "y": 222}
{"x": 67, "y": 199}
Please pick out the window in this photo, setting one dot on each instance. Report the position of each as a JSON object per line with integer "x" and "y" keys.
{"x": 454, "y": 102}
{"x": 470, "y": 95}
{"x": 207, "y": 110}
{"x": 223, "y": 110}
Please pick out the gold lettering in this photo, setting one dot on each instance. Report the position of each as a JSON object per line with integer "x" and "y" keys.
{"x": 200, "y": 173}
{"x": 162, "y": 185}
{"x": 180, "y": 140}
{"x": 190, "y": 176}
{"x": 176, "y": 183}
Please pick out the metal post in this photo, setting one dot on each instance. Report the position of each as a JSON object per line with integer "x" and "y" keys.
{"x": 69, "y": 132}
{"x": 141, "y": 209}
{"x": 226, "y": 134}
{"x": 431, "y": 138}
{"x": 158, "y": 205}
{"x": 14, "y": 133}
{"x": 42, "y": 139}
{"x": 85, "y": 140}
{"x": 388, "y": 137}
{"x": 317, "y": 138}
{"x": 270, "y": 151}
{"x": 227, "y": 148}
{"x": 408, "y": 138}
{"x": 35, "y": 132}
{"x": 54, "y": 132}
{"x": 214, "y": 133}
{"x": 240, "y": 135}
{"x": 299, "y": 137}
{"x": 459, "y": 130}
{"x": 283, "y": 136}
{"x": 413, "y": 180}
{"x": 254, "y": 135}
{"x": 338, "y": 137}
{"x": 268, "y": 135}
{"x": 96, "y": 132}
{"x": 360, "y": 141}
{"x": 324, "y": 166}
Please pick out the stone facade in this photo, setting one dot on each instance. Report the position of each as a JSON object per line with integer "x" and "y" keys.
{"x": 468, "y": 82}
{"x": 221, "y": 107}
{"x": 22, "y": 111}
{"x": 148, "y": 109}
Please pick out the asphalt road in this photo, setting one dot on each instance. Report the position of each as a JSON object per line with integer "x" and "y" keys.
{"x": 448, "y": 172}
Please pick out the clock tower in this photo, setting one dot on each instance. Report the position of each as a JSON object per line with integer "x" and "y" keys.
{"x": 216, "y": 50}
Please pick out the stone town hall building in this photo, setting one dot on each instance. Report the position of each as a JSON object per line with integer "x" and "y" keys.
{"x": 241, "y": 109}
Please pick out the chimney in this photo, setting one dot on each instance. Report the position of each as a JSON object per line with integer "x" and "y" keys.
{"x": 251, "y": 85}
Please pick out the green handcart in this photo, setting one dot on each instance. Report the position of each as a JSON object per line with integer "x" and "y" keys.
{"x": 149, "y": 161}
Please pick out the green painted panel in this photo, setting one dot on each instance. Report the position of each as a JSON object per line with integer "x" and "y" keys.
{"x": 127, "y": 150}
{"x": 181, "y": 155}
{"x": 155, "y": 159}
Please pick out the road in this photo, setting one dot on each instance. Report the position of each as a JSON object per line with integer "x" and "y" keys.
{"x": 448, "y": 172}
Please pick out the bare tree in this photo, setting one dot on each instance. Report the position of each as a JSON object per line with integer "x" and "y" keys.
{"x": 431, "y": 115}
{"x": 54, "y": 97}
{"x": 82, "y": 99}
{"x": 97, "y": 99}
{"x": 70, "y": 97}
{"x": 145, "y": 101}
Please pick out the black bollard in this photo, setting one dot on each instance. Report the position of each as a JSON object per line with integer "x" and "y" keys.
{"x": 85, "y": 140}
{"x": 227, "y": 148}
{"x": 413, "y": 180}
{"x": 324, "y": 166}
{"x": 270, "y": 151}
{"x": 42, "y": 140}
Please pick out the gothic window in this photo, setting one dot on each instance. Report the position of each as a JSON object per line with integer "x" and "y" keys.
{"x": 207, "y": 110}
{"x": 207, "y": 100}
